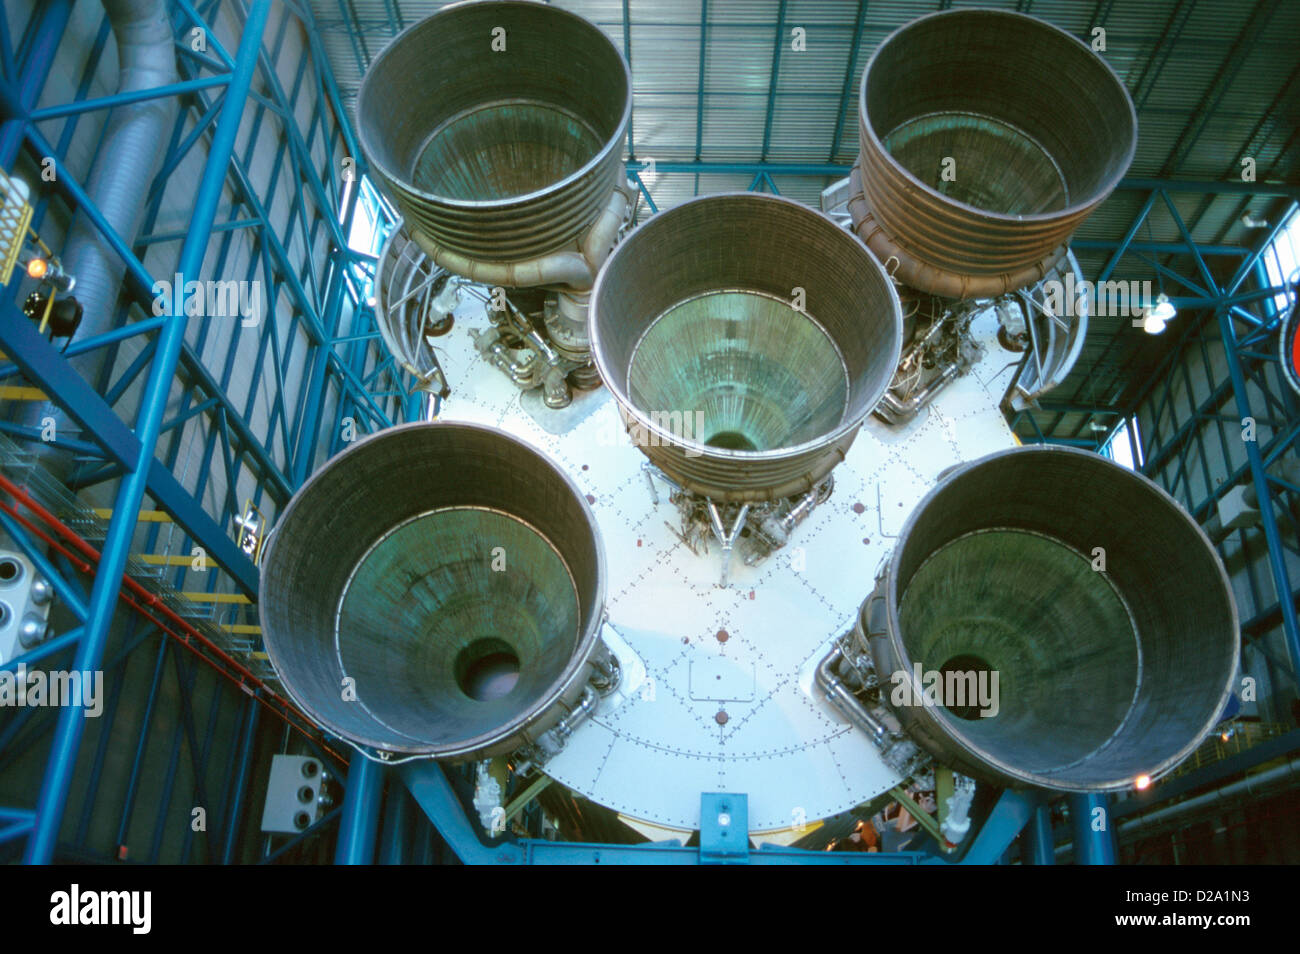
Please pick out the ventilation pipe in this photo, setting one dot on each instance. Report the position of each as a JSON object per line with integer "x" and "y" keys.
{"x": 129, "y": 157}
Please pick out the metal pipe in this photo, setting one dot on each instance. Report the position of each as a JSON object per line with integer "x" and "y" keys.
{"x": 118, "y": 184}
{"x": 845, "y": 702}
{"x": 570, "y": 268}
{"x": 1253, "y": 785}
{"x": 360, "y": 819}
{"x": 53, "y": 795}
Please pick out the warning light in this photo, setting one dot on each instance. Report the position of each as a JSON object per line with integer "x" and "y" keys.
{"x": 1142, "y": 782}
{"x": 37, "y": 267}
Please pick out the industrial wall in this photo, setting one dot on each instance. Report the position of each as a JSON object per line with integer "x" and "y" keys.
{"x": 1193, "y": 437}
{"x": 246, "y": 425}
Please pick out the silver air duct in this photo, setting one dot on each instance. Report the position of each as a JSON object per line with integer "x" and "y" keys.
{"x": 438, "y": 590}
{"x": 129, "y": 158}
{"x": 746, "y": 337}
{"x": 498, "y": 129}
{"x": 1072, "y": 625}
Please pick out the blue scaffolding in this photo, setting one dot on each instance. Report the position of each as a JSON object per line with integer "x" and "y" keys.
{"x": 350, "y": 378}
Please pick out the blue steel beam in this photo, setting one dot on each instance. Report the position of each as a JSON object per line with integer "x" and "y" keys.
{"x": 839, "y": 170}
{"x": 773, "y": 80}
{"x": 1259, "y": 477}
{"x": 1094, "y": 829}
{"x": 1037, "y": 846}
{"x": 77, "y": 107}
{"x": 428, "y": 784}
{"x": 31, "y": 78}
{"x": 41, "y": 362}
{"x": 850, "y": 71}
{"x": 627, "y": 55}
{"x": 1161, "y": 248}
{"x": 140, "y": 283}
{"x": 699, "y": 96}
{"x": 239, "y": 782}
{"x": 53, "y": 795}
{"x": 359, "y": 822}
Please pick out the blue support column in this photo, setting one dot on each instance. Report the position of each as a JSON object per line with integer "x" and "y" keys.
{"x": 1036, "y": 844}
{"x": 398, "y": 815}
{"x": 1007, "y": 819}
{"x": 103, "y": 598}
{"x": 31, "y": 78}
{"x": 360, "y": 819}
{"x": 230, "y": 839}
{"x": 1267, "y": 518}
{"x": 1092, "y": 847}
{"x": 724, "y": 829}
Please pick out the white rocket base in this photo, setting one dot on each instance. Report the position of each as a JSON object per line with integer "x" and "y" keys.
{"x": 780, "y": 744}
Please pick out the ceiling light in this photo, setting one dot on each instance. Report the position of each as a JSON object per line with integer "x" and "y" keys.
{"x": 1156, "y": 316}
{"x": 1164, "y": 309}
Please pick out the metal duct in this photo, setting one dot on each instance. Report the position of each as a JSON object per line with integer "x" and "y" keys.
{"x": 498, "y": 128}
{"x": 987, "y": 137}
{"x": 129, "y": 157}
{"x": 455, "y": 575}
{"x": 727, "y": 387}
{"x": 1104, "y": 675}
{"x": 409, "y": 290}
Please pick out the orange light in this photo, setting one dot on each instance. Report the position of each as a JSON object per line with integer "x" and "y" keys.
{"x": 1142, "y": 782}
{"x": 1225, "y": 736}
{"x": 37, "y": 268}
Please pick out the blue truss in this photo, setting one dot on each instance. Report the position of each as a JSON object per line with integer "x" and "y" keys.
{"x": 348, "y": 372}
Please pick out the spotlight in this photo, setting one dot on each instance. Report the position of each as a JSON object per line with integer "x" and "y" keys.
{"x": 49, "y": 270}
{"x": 1158, "y": 315}
{"x": 1164, "y": 309}
{"x": 1142, "y": 782}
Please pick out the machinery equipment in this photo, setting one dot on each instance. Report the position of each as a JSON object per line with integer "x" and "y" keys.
{"x": 1081, "y": 616}
{"x": 745, "y": 341}
{"x": 437, "y": 590}
{"x": 504, "y": 154}
{"x": 414, "y": 301}
{"x": 973, "y": 172}
{"x": 745, "y": 338}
